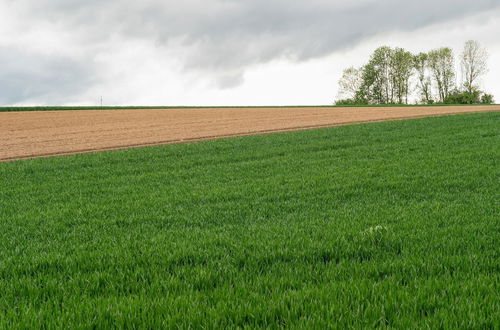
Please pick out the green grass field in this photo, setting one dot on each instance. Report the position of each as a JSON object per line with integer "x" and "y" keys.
{"x": 392, "y": 224}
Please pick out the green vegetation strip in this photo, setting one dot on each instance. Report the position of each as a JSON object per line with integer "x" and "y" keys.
{"x": 390, "y": 224}
{"x": 61, "y": 108}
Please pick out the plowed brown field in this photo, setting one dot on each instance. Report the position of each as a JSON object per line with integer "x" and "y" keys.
{"x": 50, "y": 133}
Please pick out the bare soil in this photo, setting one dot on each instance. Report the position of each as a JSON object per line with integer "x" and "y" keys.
{"x": 52, "y": 133}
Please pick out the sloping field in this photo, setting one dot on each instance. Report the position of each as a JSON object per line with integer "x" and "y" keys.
{"x": 389, "y": 225}
{"x": 47, "y": 133}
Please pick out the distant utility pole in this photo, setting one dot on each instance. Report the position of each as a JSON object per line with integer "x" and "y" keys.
{"x": 101, "y": 101}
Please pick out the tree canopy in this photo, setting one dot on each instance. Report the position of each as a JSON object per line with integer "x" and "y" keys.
{"x": 396, "y": 76}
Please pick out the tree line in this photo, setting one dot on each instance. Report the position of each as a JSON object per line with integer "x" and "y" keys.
{"x": 396, "y": 76}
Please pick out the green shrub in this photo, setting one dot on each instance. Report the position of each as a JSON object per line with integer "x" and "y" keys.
{"x": 458, "y": 97}
{"x": 487, "y": 99}
{"x": 350, "y": 102}
{"x": 346, "y": 102}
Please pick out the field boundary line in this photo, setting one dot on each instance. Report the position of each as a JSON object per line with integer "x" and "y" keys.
{"x": 233, "y": 135}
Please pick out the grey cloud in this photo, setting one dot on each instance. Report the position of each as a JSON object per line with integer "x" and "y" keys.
{"x": 229, "y": 80}
{"x": 232, "y": 34}
{"x": 35, "y": 78}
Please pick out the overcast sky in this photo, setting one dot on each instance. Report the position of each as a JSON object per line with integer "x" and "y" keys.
{"x": 218, "y": 52}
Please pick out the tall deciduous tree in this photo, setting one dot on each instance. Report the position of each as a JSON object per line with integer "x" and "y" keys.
{"x": 386, "y": 77}
{"x": 350, "y": 82}
{"x": 401, "y": 70}
{"x": 473, "y": 64}
{"x": 424, "y": 86}
{"x": 441, "y": 63}
{"x": 376, "y": 87}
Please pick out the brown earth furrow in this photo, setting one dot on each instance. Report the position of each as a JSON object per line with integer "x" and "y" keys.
{"x": 26, "y": 135}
